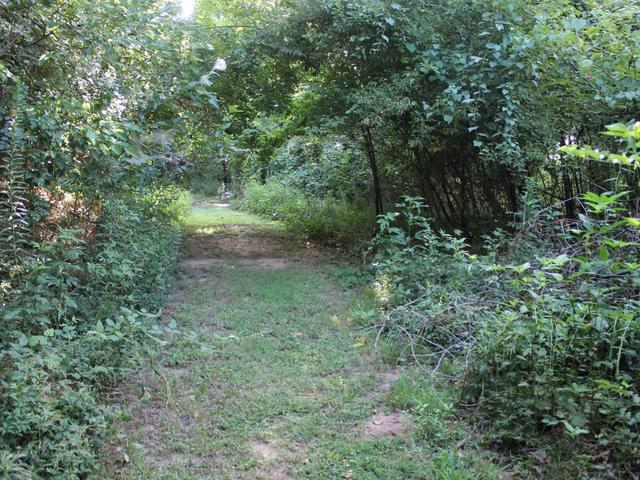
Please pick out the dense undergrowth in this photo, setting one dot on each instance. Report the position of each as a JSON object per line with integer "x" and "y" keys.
{"x": 77, "y": 316}
{"x": 313, "y": 187}
{"x": 541, "y": 330}
{"x": 89, "y": 214}
{"x": 329, "y": 220}
{"x": 545, "y": 348}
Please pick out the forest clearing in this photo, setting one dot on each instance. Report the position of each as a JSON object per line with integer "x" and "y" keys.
{"x": 319, "y": 239}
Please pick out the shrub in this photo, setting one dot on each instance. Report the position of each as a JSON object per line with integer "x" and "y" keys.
{"x": 323, "y": 166}
{"x": 561, "y": 349}
{"x": 551, "y": 345}
{"x": 424, "y": 282}
{"x": 330, "y": 220}
{"x": 74, "y": 318}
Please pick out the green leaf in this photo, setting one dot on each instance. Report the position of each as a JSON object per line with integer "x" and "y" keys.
{"x": 91, "y": 133}
{"x": 634, "y": 222}
{"x": 603, "y": 253}
{"x": 412, "y": 47}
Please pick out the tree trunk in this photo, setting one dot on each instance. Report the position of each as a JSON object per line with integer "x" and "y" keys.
{"x": 371, "y": 154}
{"x": 569, "y": 196}
{"x": 225, "y": 177}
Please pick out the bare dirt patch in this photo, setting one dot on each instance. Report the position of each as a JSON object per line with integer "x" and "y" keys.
{"x": 245, "y": 246}
{"x": 264, "y": 451}
{"x": 210, "y": 203}
{"x": 256, "y": 263}
{"x": 388, "y": 379}
{"x": 234, "y": 241}
{"x": 275, "y": 461}
{"x": 387, "y": 425}
{"x": 169, "y": 460}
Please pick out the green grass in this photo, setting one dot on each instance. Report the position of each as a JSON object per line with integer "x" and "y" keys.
{"x": 266, "y": 381}
{"x": 213, "y": 215}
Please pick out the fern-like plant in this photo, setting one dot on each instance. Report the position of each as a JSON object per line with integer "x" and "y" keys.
{"x": 14, "y": 224}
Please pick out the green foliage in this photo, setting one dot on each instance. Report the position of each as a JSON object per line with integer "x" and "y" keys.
{"x": 89, "y": 129}
{"x": 424, "y": 280}
{"x": 550, "y": 345}
{"x": 464, "y": 103}
{"x": 14, "y": 232}
{"x": 562, "y": 346}
{"x": 465, "y": 99}
{"x": 136, "y": 245}
{"x": 629, "y": 134}
{"x": 76, "y": 320}
{"x": 322, "y": 166}
{"x": 561, "y": 349}
{"x": 432, "y": 406}
{"x": 330, "y": 220}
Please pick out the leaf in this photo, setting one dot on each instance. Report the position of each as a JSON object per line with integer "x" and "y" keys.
{"x": 390, "y": 20}
{"x": 205, "y": 80}
{"x": 603, "y": 253}
{"x": 618, "y": 130}
{"x": 5, "y": 73}
{"x": 412, "y": 47}
{"x": 91, "y": 134}
{"x": 22, "y": 339}
{"x": 448, "y": 118}
{"x": 634, "y": 222}
{"x": 12, "y": 314}
{"x": 213, "y": 101}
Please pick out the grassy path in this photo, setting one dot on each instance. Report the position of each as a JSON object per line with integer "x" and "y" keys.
{"x": 268, "y": 384}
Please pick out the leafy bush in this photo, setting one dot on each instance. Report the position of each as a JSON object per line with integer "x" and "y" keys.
{"x": 323, "y": 166}
{"x": 329, "y": 220}
{"x": 74, "y": 318}
{"x": 424, "y": 280}
{"x": 562, "y": 348}
{"x": 549, "y": 345}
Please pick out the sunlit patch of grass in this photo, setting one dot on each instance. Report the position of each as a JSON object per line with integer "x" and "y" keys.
{"x": 212, "y": 215}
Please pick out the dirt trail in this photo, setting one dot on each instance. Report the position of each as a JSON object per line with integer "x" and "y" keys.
{"x": 265, "y": 380}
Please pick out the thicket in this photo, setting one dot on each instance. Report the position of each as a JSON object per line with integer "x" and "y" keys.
{"x": 328, "y": 220}
{"x": 96, "y": 101}
{"x": 542, "y": 330}
{"x": 312, "y": 186}
{"x": 457, "y": 102}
